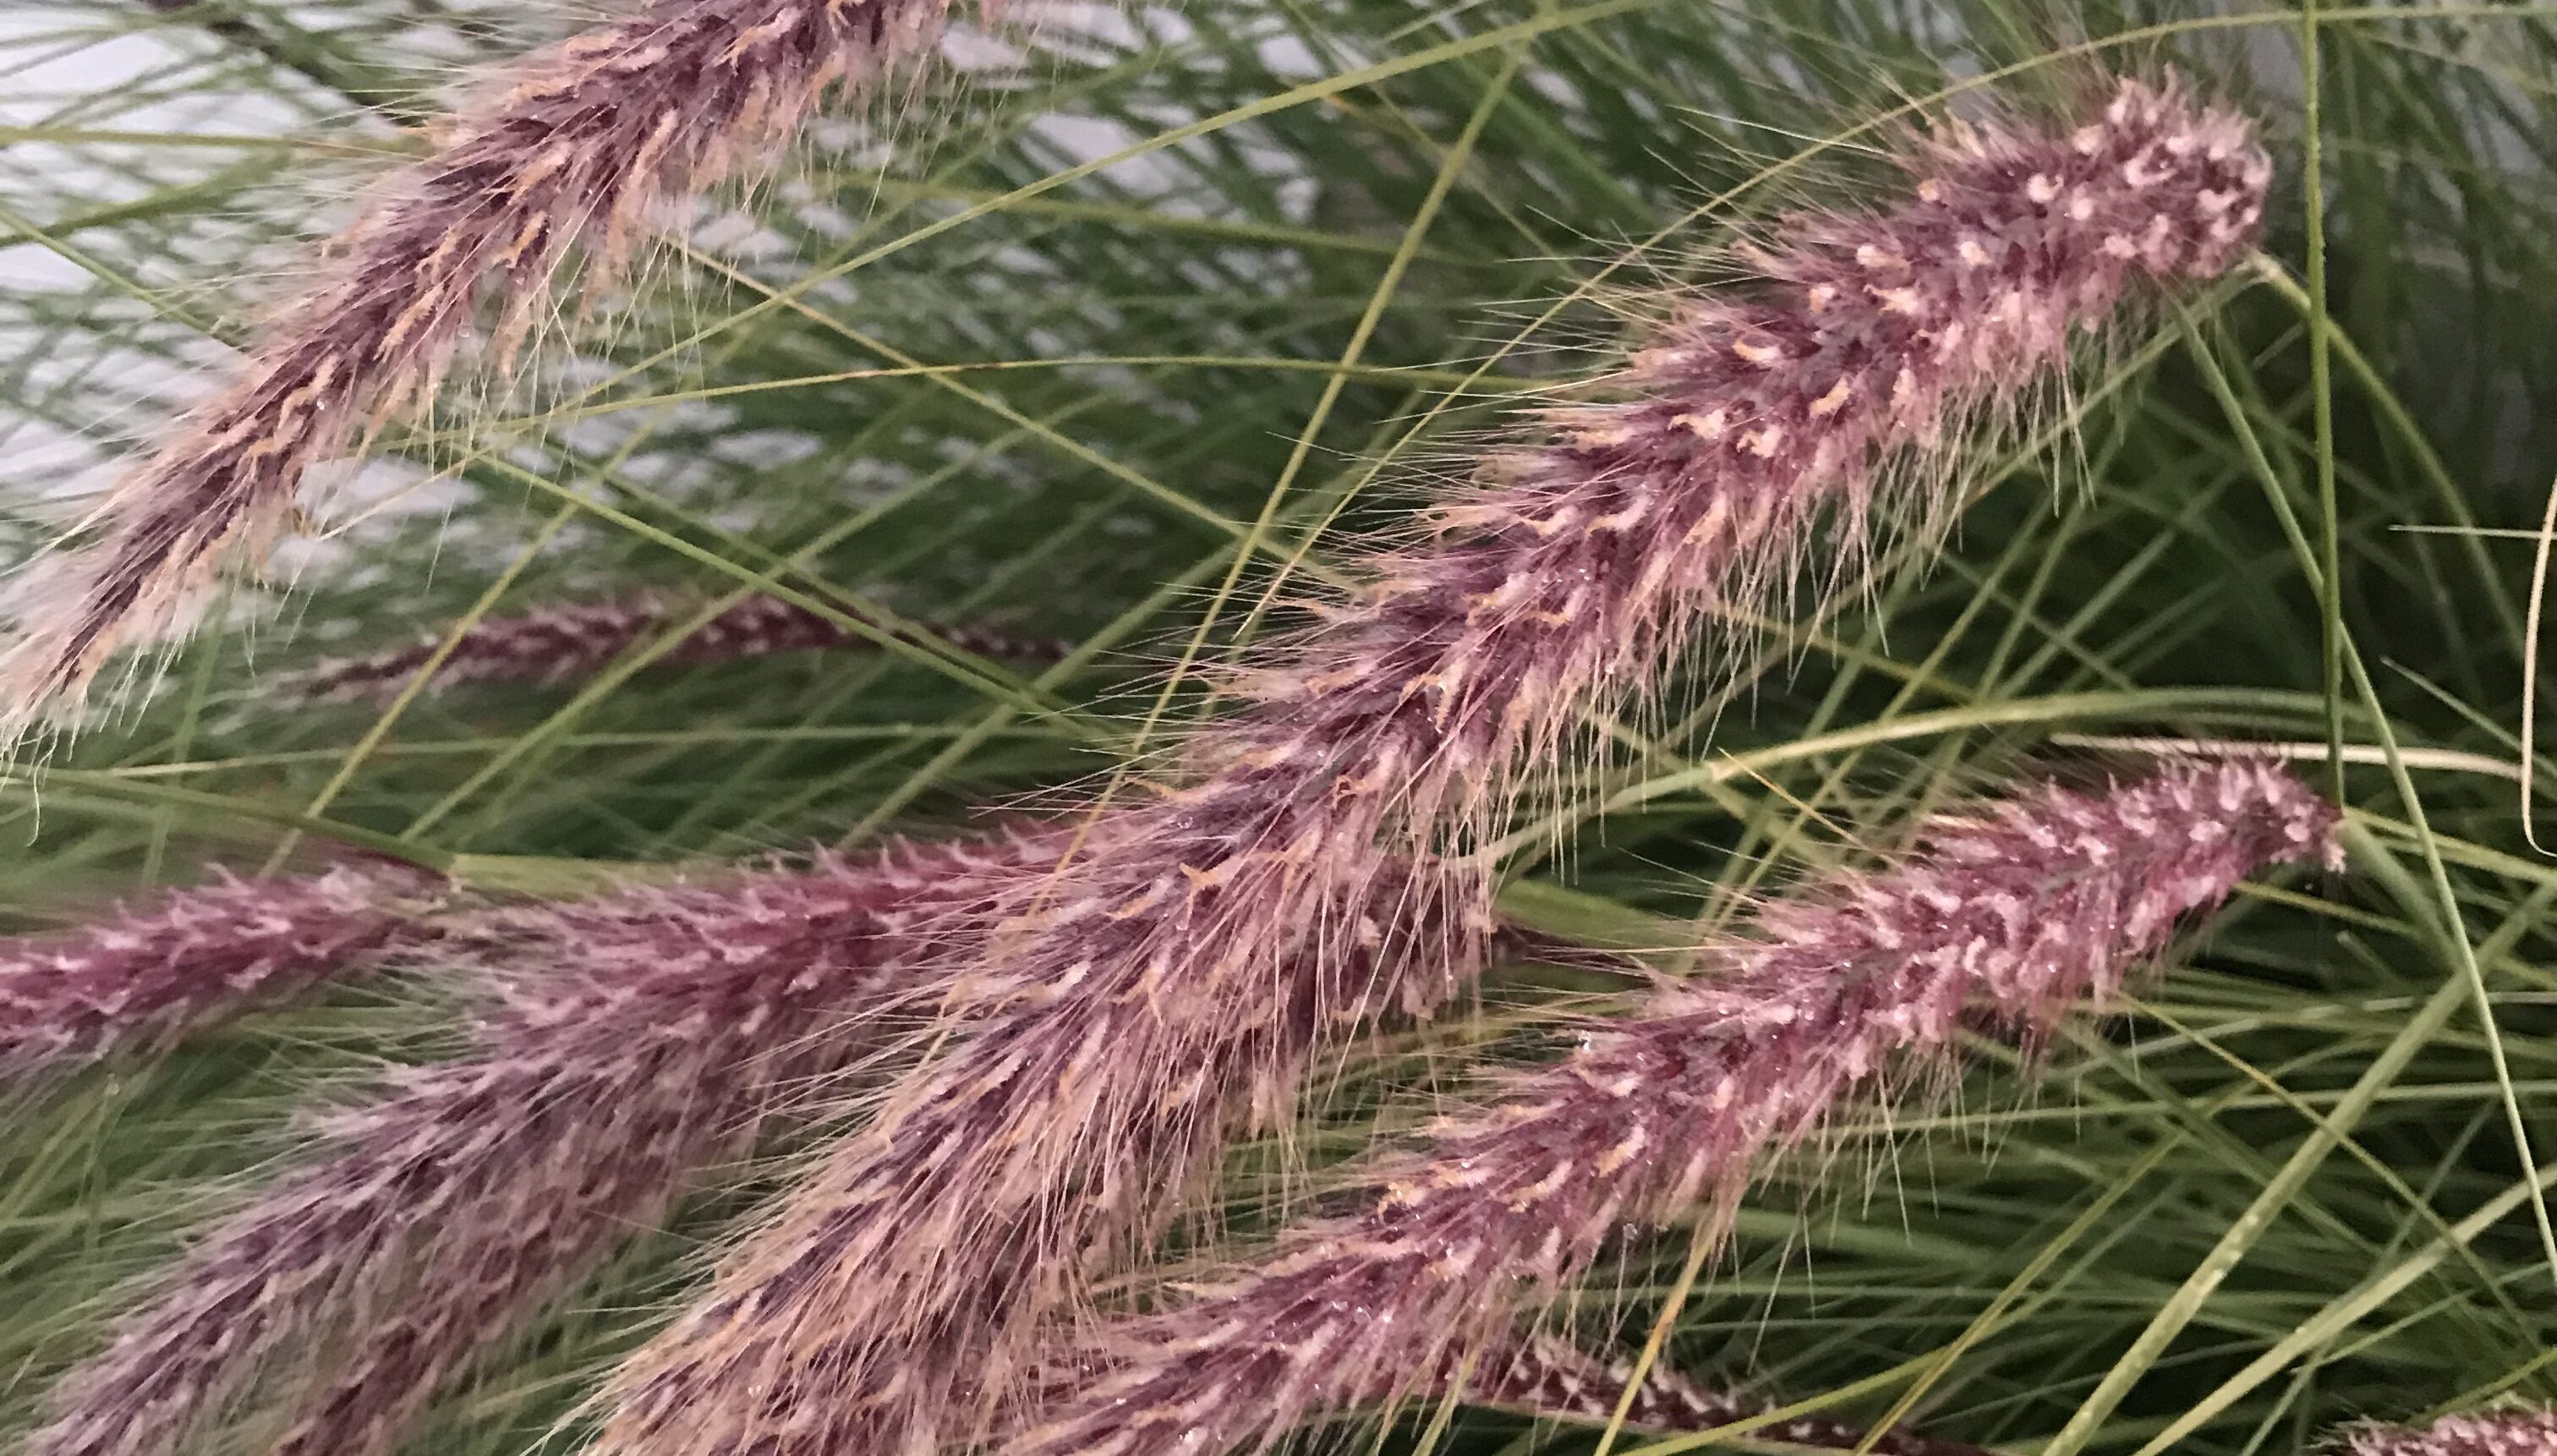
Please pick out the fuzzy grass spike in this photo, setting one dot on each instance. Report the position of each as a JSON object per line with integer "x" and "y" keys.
{"x": 900, "y": 1289}
{"x": 1546, "y": 1378}
{"x": 566, "y": 158}
{"x": 1550, "y": 1378}
{"x": 1417, "y": 944}
{"x": 1858, "y": 984}
{"x": 565, "y": 643}
{"x": 630, "y": 1042}
{"x": 2522, "y": 1431}
{"x": 143, "y": 979}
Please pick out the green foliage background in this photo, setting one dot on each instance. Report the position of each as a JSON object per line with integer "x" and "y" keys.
{"x": 1045, "y": 359}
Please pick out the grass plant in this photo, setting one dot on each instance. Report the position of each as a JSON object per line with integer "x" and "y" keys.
{"x": 1133, "y": 323}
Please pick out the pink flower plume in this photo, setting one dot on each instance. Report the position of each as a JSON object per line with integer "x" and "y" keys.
{"x": 2025, "y": 912}
{"x": 2521, "y": 1430}
{"x": 960, "y": 1157}
{"x": 629, "y": 1042}
{"x": 565, "y": 643}
{"x": 1171, "y": 978}
{"x": 1550, "y": 1379}
{"x": 565, "y": 159}
{"x": 141, "y": 979}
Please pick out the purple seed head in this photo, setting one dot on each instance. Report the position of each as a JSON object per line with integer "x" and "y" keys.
{"x": 975, "y": 1199}
{"x": 2521, "y": 1430}
{"x": 1546, "y": 1378}
{"x": 562, "y": 162}
{"x": 567, "y": 643}
{"x": 626, "y": 1045}
{"x": 141, "y": 979}
{"x": 1197, "y": 930}
{"x": 1552, "y": 1379}
{"x": 1858, "y": 983}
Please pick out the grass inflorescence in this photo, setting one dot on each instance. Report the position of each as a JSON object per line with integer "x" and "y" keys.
{"x": 1592, "y": 482}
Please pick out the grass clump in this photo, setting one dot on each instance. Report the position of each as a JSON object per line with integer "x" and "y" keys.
{"x": 1128, "y": 328}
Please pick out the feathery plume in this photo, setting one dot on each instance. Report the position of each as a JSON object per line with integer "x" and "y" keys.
{"x": 1548, "y": 1377}
{"x": 565, "y": 158}
{"x": 2522, "y": 1431}
{"x": 2023, "y": 912}
{"x": 1162, "y": 1081}
{"x": 564, "y": 643}
{"x": 141, "y": 979}
{"x": 629, "y": 1043}
{"x": 1188, "y": 922}
{"x": 1551, "y": 1377}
